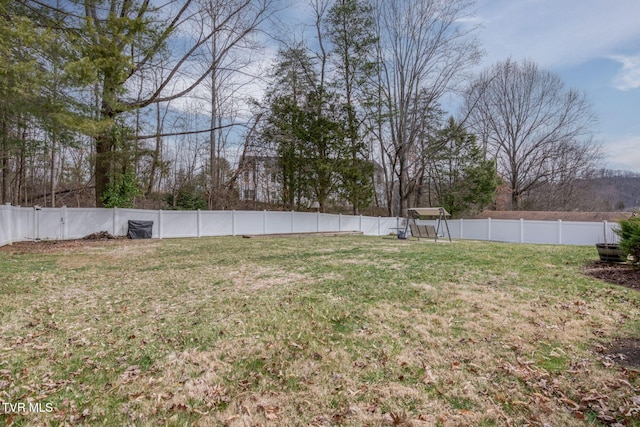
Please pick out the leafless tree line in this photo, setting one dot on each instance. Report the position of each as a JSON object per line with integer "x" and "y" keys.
{"x": 189, "y": 86}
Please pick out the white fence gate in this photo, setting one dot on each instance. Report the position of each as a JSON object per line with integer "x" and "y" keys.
{"x": 19, "y": 224}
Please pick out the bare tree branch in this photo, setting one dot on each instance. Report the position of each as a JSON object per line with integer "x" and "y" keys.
{"x": 190, "y": 132}
{"x": 536, "y": 129}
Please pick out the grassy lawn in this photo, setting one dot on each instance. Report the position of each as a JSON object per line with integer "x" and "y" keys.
{"x": 346, "y": 331}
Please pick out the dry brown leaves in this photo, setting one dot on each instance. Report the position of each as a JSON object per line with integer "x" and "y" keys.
{"x": 547, "y": 394}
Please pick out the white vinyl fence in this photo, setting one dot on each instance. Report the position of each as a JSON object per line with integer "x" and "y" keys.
{"x": 20, "y": 224}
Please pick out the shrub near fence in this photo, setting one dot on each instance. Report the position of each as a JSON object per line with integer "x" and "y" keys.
{"x": 19, "y": 224}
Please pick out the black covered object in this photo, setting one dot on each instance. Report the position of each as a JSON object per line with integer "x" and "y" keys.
{"x": 140, "y": 229}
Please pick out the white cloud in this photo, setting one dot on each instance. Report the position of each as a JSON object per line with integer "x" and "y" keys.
{"x": 629, "y": 76}
{"x": 558, "y": 33}
{"x": 624, "y": 153}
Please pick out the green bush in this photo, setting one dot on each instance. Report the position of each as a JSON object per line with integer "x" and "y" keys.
{"x": 121, "y": 191}
{"x": 629, "y": 232}
{"x": 190, "y": 197}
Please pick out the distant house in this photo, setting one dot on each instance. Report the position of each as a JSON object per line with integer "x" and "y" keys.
{"x": 259, "y": 180}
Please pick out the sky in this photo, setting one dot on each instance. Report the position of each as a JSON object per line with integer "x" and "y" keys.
{"x": 592, "y": 45}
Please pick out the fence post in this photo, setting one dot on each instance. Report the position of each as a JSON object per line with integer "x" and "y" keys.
{"x": 11, "y": 223}
{"x": 461, "y": 228}
{"x": 264, "y": 221}
{"x": 160, "y": 223}
{"x": 559, "y": 231}
{"x": 114, "y": 221}
{"x": 36, "y": 221}
{"x": 199, "y": 223}
{"x": 606, "y": 226}
{"x": 63, "y": 222}
{"x": 339, "y": 222}
{"x": 488, "y": 228}
{"x": 360, "y": 225}
{"x": 8, "y": 221}
{"x": 233, "y": 222}
{"x": 318, "y": 221}
{"x": 378, "y": 225}
{"x": 292, "y": 220}
{"x": 521, "y": 230}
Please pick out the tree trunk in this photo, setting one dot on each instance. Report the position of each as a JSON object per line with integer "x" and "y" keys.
{"x": 52, "y": 171}
{"x": 214, "y": 151}
{"x": 104, "y": 142}
{"x": 102, "y": 166}
{"x": 4, "y": 163}
{"x": 20, "y": 173}
{"x": 157, "y": 152}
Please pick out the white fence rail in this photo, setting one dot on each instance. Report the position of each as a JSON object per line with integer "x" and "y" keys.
{"x": 19, "y": 224}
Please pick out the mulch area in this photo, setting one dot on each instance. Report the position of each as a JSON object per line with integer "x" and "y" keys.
{"x": 618, "y": 274}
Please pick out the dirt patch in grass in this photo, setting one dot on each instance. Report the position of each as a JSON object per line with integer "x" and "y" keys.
{"x": 618, "y": 274}
{"x": 52, "y": 246}
{"x": 625, "y": 351}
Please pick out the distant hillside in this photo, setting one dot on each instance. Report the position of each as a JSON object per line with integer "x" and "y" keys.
{"x": 615, "y": 191}
{"x": 601, "y": 191}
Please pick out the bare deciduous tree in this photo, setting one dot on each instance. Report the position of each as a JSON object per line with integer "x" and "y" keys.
{"x": 538, "y": 131}
{"x": 228, "y": 56}
{"x": 424, "y": 46}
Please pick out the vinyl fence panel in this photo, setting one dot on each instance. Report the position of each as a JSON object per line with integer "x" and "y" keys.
{"x": 541, "y": 232}
{"x": 24, "y": 223}
{"x": 249, "y": 222}
{"x": 278, "y": 222}
{"x": 216, "y": 223}
{"x": 305, "y": 222}
{"x": 349, "y": 223}
{"x": 80, "y": 222}
{"x": 473, "y": 229}
{"x": 329, "y": 222}
{"x": 179, "y": 223}
{"x": 506, "y": 231}
{"x": 586, "y": 233}
{"x": 371, "y": 226}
